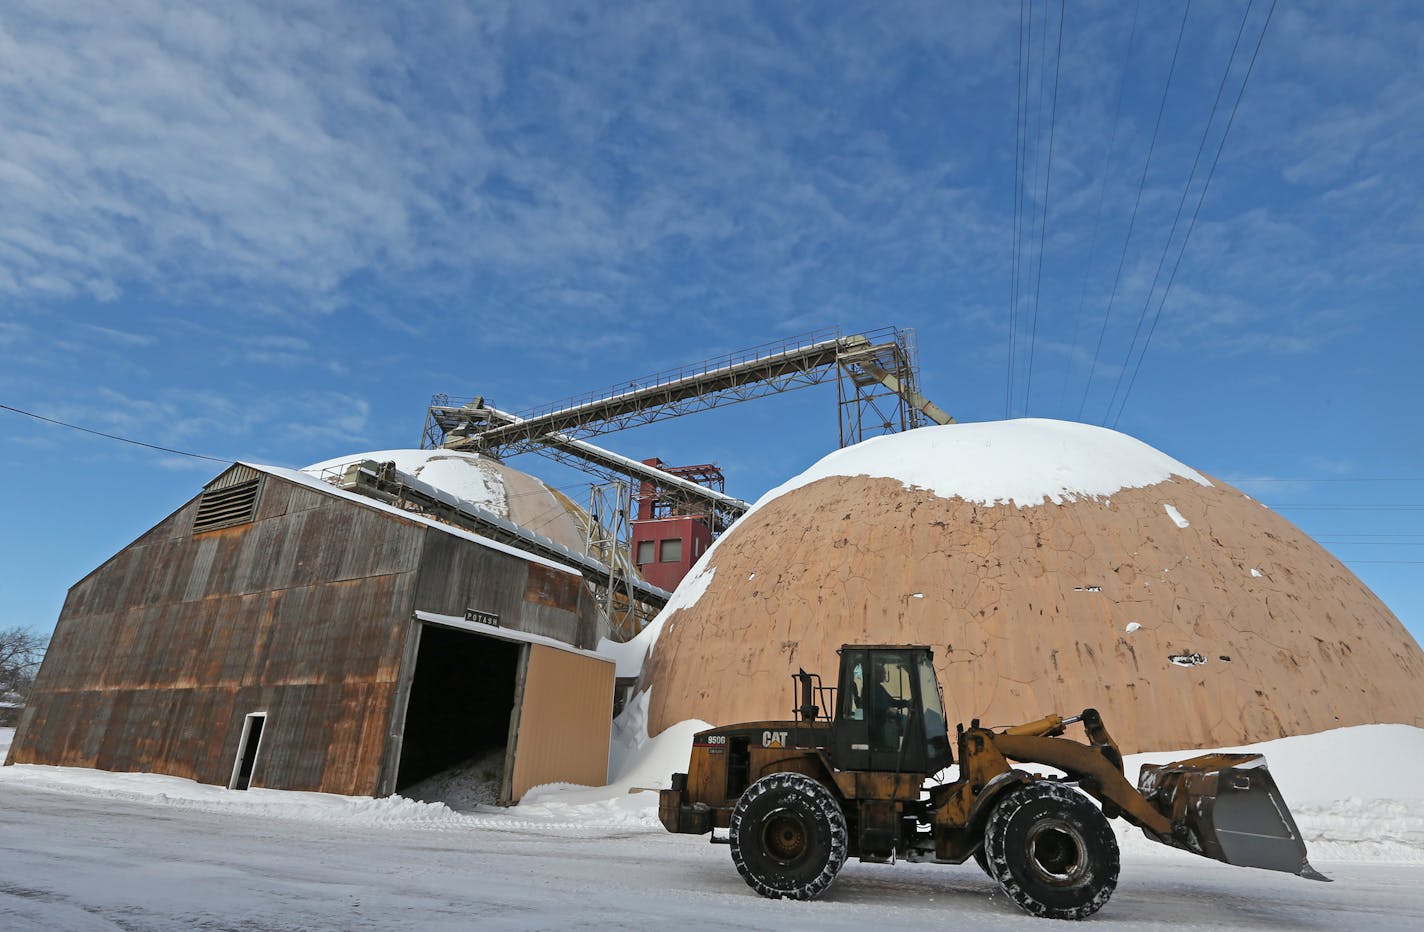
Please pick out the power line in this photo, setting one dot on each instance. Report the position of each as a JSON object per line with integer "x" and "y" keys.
{"x": 1047, "y": 181}
{"x": 1176, "y": 218}
{"x": 218, "y": 459}
{"x": 1019, "y": 109}
{"x": 1383, "y": 562}
{"x": 1142, "y": 182}
{"x": 1333, "y": 479}
{"x": 1344, "y": 508}
{"x": 100, "y": 433}
{"x": 1102, "y": 193}
{"x": 1024, "y": 173}
{"x": 1196, "y": 213}
{"x": 1384, "y": 540}
{"x": 1037, "y": 139}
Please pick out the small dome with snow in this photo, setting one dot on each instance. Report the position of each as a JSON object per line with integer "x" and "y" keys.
{"x": 488, "y": 483}
{"x": 1052, "y": 567}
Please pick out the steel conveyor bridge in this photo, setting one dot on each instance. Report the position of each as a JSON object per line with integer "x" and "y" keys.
{"x": 876, "y": 372}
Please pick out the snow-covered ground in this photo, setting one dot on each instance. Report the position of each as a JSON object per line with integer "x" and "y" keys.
{"x": 82, "y": 849}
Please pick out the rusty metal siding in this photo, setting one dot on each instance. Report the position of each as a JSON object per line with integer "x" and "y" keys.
{"x": 458, "y": 574}
{"x": 565, "y": 720}
{"x": 161, "y": 652}
{"x": 304, "y": 614}
{"x": 552, "y": 588}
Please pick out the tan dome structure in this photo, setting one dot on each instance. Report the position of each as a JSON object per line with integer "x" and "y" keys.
{"x": 513, "y": 495}
{"x": 1052, "y": 567}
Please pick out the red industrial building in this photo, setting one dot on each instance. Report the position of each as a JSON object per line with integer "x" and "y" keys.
{"x": 669, "y": 536}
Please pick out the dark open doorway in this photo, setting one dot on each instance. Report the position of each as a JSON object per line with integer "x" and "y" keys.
{"x": 247, "y": 751}
{"x": 461, "y": 699}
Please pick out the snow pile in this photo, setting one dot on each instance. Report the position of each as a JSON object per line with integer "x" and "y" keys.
{"x": 185, "y": 794}
{"x": 1354, "y": 792}
{"x": 640, "y": 769}
{"x": 468, "y": 786}
{"x": 1022, "y": 462}
{"x": 634, "y": 759}
{"x": 629, "y": 655}
{"x": 7, "y": 735}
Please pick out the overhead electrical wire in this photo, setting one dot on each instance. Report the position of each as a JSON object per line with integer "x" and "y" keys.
{"x": 1047, "y": 182}
{"x": 1371, "y": 508}
{"x": 1037, "y": 139}
{"x": 1176, "y": 218}
{"x": 215, "y": 459}
{"x": 1132, "y": 222}
{"x": 100, "y": 433}
{"x": 1102, "y": 192}
{"x": 1025, "y": 172}
{"x": 1250, "y": 67}
{"x": 1335, "y": 479}
{"x": 1019, "y": 109}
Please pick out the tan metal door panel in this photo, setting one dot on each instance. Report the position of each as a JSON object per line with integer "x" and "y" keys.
{"x": 565, "y": 719}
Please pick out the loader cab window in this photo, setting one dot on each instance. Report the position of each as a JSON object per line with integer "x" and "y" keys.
{"x": 853, "y": 693}
{"x": 891, "y": 700}
{"x": 880, "y": 720}
{"x": 936, "y": 733}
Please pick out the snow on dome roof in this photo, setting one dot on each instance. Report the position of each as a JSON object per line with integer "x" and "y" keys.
{"x": 509, "y": 493}
{"x": 1020, "y": 462}
{"x": 466, "y": 476}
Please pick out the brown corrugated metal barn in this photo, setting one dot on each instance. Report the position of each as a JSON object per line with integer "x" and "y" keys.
{"x": 266, "y": 634}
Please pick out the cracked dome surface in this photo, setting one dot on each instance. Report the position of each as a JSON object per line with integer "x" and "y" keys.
{"x": 1187, "y": 613}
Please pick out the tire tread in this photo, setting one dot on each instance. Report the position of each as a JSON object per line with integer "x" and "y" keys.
{"x": 1105, "y": 870}
{"x": 823, "y": 805}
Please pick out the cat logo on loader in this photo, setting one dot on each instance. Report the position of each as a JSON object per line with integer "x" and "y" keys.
{"x": 825, "y": 787}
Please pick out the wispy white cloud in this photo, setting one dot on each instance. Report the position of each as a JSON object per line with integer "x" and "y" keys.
{"x": 281, "y": 153}
{"x": 533, "y": 176}
{"x": 118, "y": 338}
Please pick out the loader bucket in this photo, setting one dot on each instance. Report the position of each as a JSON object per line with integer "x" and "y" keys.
{"x": 1227, "y": 807}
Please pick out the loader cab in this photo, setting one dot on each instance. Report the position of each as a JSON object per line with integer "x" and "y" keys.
{"x": 889, "y": 714}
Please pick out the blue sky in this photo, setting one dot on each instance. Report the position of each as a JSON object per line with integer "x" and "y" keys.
{"x": 273, "y": 231}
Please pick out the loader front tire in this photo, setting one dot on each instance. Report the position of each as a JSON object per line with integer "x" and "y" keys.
{"x": 788, "y": 836}
{"x": 1052, "y": 851}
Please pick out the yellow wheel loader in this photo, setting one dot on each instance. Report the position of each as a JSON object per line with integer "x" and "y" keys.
{"x": 796, "y": 798}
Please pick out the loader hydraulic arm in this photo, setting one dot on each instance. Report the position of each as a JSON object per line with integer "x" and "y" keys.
{"x": 1096, "y": 774}
{"x": 1097, "y": 765}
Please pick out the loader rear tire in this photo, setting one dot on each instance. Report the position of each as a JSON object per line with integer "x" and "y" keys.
{"x": 1052, "y": 851}
{"x": 788, "y": 836}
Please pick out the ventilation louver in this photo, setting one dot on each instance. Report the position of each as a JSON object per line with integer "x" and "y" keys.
{"x": 229, "y": 500}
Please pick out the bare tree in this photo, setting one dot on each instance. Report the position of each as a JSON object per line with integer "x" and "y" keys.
{"x": 21, "y": 651}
